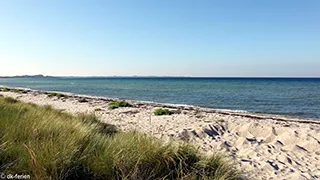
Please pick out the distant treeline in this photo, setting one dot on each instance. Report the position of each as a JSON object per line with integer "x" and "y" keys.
{"x": 28, "y": 76}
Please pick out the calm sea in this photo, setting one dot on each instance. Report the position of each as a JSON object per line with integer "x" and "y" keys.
{"x": 295, "y": 97}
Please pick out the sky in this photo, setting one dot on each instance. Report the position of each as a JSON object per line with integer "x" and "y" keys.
{"x": 216, "y": 38}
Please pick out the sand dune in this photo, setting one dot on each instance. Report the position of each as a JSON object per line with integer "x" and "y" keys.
{"x": 264, "y": 147}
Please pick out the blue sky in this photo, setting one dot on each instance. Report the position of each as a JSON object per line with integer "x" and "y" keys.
{"x": 162, "y": 38}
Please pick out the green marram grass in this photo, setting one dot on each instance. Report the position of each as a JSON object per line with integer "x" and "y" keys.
{"x": 5, "y": 89}
{"x": 117, "y": 104}
{"x": 59, "y": 95}
{"x": 10, "y": 100}
{"x": 15, "y": 90}
{"x": 160, "y": 112}
{"x": 49, "y": 144}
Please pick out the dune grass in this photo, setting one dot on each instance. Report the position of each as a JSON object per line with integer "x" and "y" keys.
{"x": 5, "y": 89}
{"x": 15, "y": 90}
{"x": 59, "y": 95}
{"x": 49, "y": 144}
{"x": 18, "y": 91}
{"x": 160, "y": 112}
{"x": 117, "y": 104}
{"x": 10, "y": 100}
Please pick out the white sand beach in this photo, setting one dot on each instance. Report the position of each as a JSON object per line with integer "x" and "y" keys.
{"x": 262, "y": 146}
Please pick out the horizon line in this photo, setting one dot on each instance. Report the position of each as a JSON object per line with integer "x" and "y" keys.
{"x": 153, "y": 76}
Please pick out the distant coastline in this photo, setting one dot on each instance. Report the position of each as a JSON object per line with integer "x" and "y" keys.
{"x": 151, "y": 76}
{"x": 28, "y": 76}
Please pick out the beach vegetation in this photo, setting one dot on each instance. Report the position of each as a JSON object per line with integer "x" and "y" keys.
{"x": 97, "y": 109}
{"x": 10, "y": 100}
{"x": 48, "y": 107}
{"x": 52, "y": 94}
{"x": 160, "y": 111}
{"x": 92, "y": 119}
{"x": 5, "y": 89}
{"x": 59, "y": 95}
{"x": 15, "y": 90}
{"x": 49, "y": 144}
{"x": 117, "y": 104}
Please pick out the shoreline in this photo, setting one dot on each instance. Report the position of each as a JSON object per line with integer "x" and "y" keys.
{"x": 263, "y": 147}
{"x": 276, "y": 117}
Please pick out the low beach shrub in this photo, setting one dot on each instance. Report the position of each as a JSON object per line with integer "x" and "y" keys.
{"x": 5, "y": 89}
{"x": 49, "y": 144}
{"x": 97, "y": 109}
{"x": 160, "y": 111}
{"x": 117, "y": 104}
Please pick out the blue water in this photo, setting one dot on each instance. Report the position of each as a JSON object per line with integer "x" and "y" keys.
{"x": 295, "y": 97}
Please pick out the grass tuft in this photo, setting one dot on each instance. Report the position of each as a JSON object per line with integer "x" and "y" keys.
{"x": 52, "y": 94}
{"x": 117, "y": 104}
{"x": 48, "y": 107}
{"x": 15, "y": 90}
{"x": 49, "y": 144}
{"x": 92, "y": 119}
{"x": 10, "y": 100}
{"x": 160, "y": 112}
{"x": 59, "y": 95}
{"x": 5, "y": 89}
